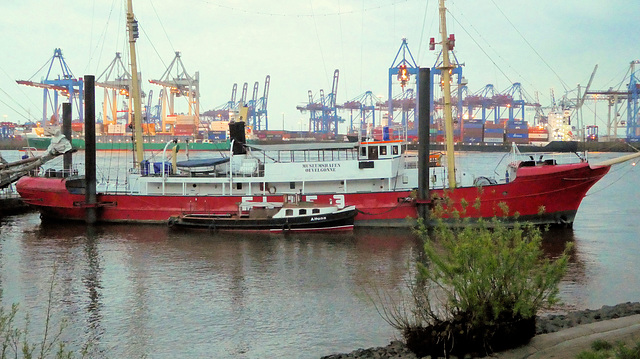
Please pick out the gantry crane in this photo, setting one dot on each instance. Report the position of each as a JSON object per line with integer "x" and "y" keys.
{"x": 324, "y": 111}
{"x": 65, "y": 84}
{"x": 364, "y": 106}
{"x": 176, "y": 82}
{"x": 260, "y": 116}
{"x": 116, "y": 81}
{"x": 402, "y": 68}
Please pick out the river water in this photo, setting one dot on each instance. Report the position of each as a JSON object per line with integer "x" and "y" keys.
{"x": 145, "y": 291}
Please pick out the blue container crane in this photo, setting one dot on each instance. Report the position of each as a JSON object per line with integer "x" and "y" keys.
{"x": 259, "y": 117}
{"x": 364, "y": 106}
{"x": 324, "y": 111}
{"x": 64, "y": 84}
{"x": 402, "y": 68}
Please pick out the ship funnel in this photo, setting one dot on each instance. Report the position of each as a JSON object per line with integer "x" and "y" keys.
{"x": 237, "y": 137}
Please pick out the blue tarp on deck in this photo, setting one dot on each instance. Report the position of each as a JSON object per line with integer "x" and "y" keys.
{"x": 202, "y": 163}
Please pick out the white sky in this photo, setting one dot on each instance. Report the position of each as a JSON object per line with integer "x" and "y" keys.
{"x": 539, "y": 43}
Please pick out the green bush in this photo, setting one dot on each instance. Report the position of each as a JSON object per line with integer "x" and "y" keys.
{"x": 16, "y": 342}
{"x": 488, "y": 272}
{"x": 477, "y": 288}
{"x": 604, "y": 350}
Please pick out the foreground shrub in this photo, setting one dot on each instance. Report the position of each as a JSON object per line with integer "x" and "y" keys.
{"x": 477, "y": 289}
{"x": 17, "y": 343}
{"x": 601, "y": 349}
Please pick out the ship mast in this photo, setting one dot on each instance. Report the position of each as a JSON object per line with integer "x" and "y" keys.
{"x": 132, "y": 27}
{"x": 445, "y": 70}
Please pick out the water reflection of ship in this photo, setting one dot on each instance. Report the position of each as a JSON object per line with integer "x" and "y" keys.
{"x": 554, "y": 242}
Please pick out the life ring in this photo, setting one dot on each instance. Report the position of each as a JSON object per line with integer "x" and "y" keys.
{"x": 272, "y": 189}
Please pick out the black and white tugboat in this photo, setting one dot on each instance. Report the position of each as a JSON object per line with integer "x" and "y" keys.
{"x": 290, "y": 215}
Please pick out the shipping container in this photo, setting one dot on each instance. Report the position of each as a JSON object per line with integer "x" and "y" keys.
{"x": 472, "y": 125}
{"x": 116, "y": 129}
{"x": 217, "y": 135}
{"x": 516, "y": 123}
{"x": 494, "y": 130}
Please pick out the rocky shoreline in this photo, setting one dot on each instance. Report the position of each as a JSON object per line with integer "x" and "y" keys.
{"x": 544, "y": 324}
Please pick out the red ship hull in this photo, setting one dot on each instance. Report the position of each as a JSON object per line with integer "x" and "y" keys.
{"x": 540, "y": 194}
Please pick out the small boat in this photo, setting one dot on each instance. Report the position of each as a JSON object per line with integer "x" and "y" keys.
{"x": 291, "y": 215}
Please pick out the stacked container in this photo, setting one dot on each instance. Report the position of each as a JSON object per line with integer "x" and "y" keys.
{"x": 217, "y": 135}
{"x": 517, "y": 132}
{"x": 184, "y": 129}
{"x": 472, "y": 131}
{"x": 493, "y": 132}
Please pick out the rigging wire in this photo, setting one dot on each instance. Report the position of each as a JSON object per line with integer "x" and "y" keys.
{"x": 146, "y": 36}
{"x": 564, "y": 85}
{"x": 40, "y": 69}
{"x": 346, "y": 91}
{"x": 14, "y": 100}
{"x": 162, "y": 25}
{"x": 21, "y": 90}
{"x": 631, "y": 168}
{"x": 315, "y": 25}
{"x": 312, "y": 14}
{"x": 488, "y": 44}
{"x": 480, "y": 47}
{"x": 14, "y": 110}
{"x": 361, "y": 43}
{"x": 424, "y": 22}
{"x": 103, "y": 35}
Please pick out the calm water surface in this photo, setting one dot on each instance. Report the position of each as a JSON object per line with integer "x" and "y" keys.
{"x": 146, "y": 291}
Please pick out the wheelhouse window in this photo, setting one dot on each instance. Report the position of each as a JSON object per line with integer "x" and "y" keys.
{"x": 395, "y": 150}
{"x": 363, "y": 151}
{"x": 383, "y": 150}
{"x": 292, "y": 185}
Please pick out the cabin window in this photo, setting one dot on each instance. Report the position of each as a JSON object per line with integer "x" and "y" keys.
{"x": 303, "y": 211}
{"x": 315, "y": 211}
{"x": 238, "y": 185}
{"x": 288, "y": 212}
{"x": 373, "y": 152}
{"x": 383, "y": 150}
{"x": 363, "y": 151}
{"x": 395, "y": 150}
{"x": 292, "y": 185}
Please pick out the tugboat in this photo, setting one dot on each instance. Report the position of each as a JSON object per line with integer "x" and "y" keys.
{"x": 291, "y": 215}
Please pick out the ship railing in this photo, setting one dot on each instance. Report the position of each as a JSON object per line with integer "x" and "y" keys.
{"x": 539, "y": 158}
{"x": 288, "y": 156}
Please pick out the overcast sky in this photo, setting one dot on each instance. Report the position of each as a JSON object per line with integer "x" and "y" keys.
{"x": 542, "y": 44}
